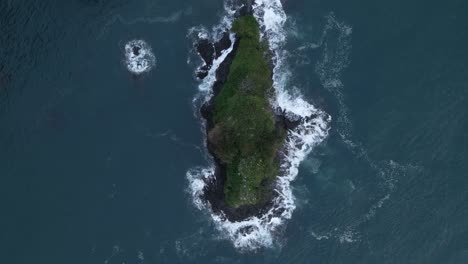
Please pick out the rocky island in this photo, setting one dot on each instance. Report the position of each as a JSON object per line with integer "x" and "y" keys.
{"x": 245, "y": 135}
{"x": 258, "y": 128}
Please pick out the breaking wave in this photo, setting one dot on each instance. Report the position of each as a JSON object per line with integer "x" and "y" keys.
{"x": 139, "y": 57}
{"x": 258, "y": 232}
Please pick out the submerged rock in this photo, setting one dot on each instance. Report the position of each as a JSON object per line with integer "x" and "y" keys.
{"x": 139, "y": 57}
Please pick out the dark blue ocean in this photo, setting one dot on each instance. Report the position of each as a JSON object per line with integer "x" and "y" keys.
{"x": 93, "y": 159}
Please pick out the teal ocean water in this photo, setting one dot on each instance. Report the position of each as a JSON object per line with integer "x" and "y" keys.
{"x": 94, "y": 160}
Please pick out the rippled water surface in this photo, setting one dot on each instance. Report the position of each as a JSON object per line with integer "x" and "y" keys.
{"x": 93, "y": 159}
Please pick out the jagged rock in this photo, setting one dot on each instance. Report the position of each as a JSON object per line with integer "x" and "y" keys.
{"x": 222, "y": 44}
{"x": 206, "y": 50}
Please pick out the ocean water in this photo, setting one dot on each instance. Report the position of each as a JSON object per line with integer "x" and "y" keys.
{"x": 94, "y": 160}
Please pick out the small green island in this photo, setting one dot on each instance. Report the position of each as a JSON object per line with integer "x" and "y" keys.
{"x": 245, "y": 136}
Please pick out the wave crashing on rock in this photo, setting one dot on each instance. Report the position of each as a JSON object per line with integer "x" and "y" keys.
{"x": 139, "y": 57}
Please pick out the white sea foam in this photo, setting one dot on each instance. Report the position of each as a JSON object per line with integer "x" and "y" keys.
{"x": 348, "y": 236}
{"x": 257, "y": 232}
{"x": 319, "y": 237}
{"x": 334, "y": 60}
{"x": 140, "y": 256}
{"x": 139, "y": 57}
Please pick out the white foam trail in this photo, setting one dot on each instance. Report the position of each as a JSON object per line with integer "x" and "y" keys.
{"x": 141, "y": 61}
{"x": 331, "y": 66}
{"x": 335, "y": 59}
{"x": 140, "y": 257}
{"x": 257, "y": 232}
{"x": 319, "y": 237}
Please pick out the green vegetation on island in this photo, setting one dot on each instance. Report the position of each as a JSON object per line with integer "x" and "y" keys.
{"x": 245, "y": 137}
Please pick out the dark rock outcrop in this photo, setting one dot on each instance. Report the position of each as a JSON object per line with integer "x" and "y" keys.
{"x": 209, "y": 51}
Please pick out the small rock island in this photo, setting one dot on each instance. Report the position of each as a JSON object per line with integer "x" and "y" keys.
{"x": 244, "y": 134}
